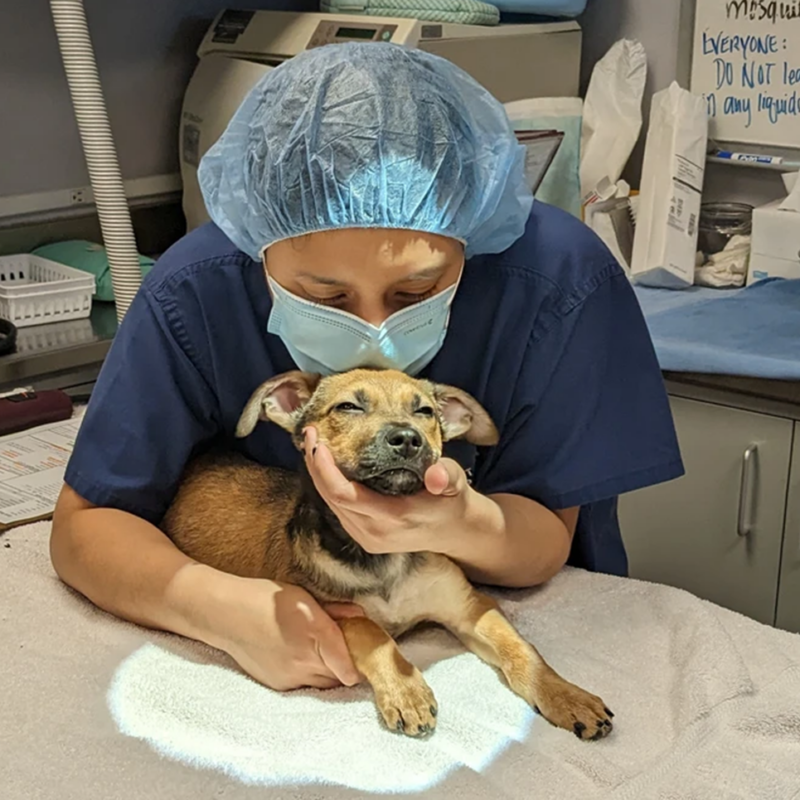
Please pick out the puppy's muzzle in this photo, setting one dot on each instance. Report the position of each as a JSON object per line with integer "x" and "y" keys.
{"x": 396, "y": 461}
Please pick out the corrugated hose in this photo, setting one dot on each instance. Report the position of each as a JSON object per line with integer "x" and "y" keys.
{"x": 99, "y": 150}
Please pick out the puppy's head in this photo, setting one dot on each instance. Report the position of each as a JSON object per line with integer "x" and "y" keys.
{"x": 383, "y": 428}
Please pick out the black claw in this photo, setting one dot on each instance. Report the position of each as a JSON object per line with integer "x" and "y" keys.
{"x": 434, "y": 712}
{"x": 399, "y": 725}
{"x": 598, "y": 735}
{"x": 536, "y": 709}
{"x": 600, "y": 723}
{"x": 610, "y": 714}
{"x": 579, "y": 728}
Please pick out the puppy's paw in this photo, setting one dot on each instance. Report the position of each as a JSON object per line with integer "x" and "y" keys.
{"x": 568, "y": 706}
{"x": 408, "y": 705}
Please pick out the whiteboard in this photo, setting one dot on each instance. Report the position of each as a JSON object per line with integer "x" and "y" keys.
{"x": 746, "y": 63}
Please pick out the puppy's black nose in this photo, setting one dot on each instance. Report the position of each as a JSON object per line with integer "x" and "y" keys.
{"x": 404, "y": 441}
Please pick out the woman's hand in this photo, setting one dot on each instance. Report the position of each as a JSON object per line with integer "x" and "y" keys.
{"x": 429, "y": 521}
{"x": 279, "y": 634}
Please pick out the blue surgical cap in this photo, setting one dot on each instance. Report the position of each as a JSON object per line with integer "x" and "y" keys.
{"x": 367, "y": 135}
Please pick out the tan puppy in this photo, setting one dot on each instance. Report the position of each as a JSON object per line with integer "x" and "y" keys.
{"x": 384, "y": 430}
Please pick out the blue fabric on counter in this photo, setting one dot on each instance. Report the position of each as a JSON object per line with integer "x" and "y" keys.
{"x": 752, "y": 332}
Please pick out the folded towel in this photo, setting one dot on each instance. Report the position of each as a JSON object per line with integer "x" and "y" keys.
{"x": 753, "y": 332}
{"x": 707, "y": 706}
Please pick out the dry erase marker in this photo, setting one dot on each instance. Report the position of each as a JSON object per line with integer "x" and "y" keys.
{"x": 749, "y": 158}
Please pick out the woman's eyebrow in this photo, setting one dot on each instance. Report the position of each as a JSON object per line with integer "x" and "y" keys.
{"x": 425, "y": 274}
{"x": 321, "y": 279}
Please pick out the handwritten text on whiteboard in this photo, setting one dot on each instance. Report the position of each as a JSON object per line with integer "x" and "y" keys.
{"x": 747, "y": 65}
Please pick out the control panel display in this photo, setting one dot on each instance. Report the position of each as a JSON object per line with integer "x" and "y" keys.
{"x": 329, "y": 32}
{"x": 356, "y": 33}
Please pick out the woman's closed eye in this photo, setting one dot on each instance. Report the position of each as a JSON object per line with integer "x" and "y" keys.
{"x": 412, "y": 297}
{"x": 336, "y": 300}
{"x": 401, "y": 299}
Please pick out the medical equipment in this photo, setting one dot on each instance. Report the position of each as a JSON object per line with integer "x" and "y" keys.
{"x": 513, "y": 62}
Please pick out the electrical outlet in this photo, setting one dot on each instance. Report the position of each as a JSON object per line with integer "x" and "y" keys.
{"x": 78, "y": 197}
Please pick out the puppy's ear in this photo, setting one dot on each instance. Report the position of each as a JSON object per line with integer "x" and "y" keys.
{"x": 279, "y": 399}
{"x": 463, "y": 416}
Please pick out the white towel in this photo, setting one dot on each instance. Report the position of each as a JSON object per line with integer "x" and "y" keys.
{"x": 707, "y": 706}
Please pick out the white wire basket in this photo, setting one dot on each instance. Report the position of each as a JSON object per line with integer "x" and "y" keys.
{"x": 35, "y": 290}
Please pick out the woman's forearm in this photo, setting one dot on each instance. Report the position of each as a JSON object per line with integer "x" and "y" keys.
{"x": 128, "y": 567}
{"x": 510, "y": 541}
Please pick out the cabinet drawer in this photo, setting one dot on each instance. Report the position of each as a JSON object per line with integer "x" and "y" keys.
{"x": 717, "y": 531}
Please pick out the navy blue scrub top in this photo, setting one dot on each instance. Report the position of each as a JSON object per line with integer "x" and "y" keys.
{"x": 548, "y": 336}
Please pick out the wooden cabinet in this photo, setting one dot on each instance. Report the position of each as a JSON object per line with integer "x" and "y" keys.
{"x": 719, "y": 530}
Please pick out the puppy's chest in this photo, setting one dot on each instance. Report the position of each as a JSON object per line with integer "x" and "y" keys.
{"x": 413, "y": 598}
{"x": 397, "y": 597}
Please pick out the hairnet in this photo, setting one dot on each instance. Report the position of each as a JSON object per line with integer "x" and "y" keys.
{"x": 367, "y": 135}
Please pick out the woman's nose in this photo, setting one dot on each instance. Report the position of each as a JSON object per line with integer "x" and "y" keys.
{"x": 374, "y": 312}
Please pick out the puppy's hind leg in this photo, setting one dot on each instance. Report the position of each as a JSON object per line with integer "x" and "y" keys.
{"x": 478, "y": 622}
{"x": 404, "y": 699}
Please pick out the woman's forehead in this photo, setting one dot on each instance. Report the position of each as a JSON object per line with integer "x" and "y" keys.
{"x": 325, "y": 254}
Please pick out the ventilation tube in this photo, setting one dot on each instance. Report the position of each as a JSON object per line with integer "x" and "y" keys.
{"x": 98, "y": 149}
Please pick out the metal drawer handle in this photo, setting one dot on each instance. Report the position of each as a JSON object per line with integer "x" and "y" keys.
{"x": 746, "y": 491}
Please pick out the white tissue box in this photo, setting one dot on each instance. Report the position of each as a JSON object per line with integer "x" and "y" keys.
{"x": 775, "y": 245}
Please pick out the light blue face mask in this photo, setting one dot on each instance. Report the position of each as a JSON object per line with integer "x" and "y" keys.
{"x": 329, "y": 340}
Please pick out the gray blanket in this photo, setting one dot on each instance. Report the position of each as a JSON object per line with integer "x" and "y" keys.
{"x": 707, "y": 706}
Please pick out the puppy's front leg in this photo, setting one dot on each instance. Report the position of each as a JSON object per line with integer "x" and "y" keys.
{"x": 401, "y": 694}
{"x": 478, "y": 622}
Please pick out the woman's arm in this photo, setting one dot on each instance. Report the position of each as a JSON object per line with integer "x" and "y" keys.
{"x": 512, "y": 541}
{"x": 128, "y": 567}
{"x": 503, "y": 539}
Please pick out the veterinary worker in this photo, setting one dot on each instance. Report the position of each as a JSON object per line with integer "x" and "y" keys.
{"x": 369, "y": 207}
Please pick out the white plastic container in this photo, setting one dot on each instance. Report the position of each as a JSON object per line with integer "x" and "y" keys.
{"x": 35, "y": 291}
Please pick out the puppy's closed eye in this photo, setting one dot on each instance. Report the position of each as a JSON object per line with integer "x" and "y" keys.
{"x": 348, "y": 408}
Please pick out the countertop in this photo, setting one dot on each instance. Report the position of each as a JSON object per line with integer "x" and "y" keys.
{"x": 759, "y": 394}
{"x": 60, "y": 354}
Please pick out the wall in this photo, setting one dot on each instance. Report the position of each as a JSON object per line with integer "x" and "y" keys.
{"x": 145, "y": 52}
{"x": 665, "y": 28}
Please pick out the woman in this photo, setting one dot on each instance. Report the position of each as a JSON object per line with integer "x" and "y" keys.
{"x": 369, "y": 207}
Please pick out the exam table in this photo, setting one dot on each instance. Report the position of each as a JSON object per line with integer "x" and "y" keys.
{"x": 707, "y": 705}
{"x": 707, "y": 702}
